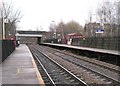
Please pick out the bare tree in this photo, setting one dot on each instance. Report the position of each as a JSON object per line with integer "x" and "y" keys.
{"x": 107, "y": 16}
{"x": 118, "y": 13}
{"x": 12, "y": 16}
{"x": 118, "y": 18}
{"x": 63, "y": 29}
{"x": 52, "y": 29}
{"x": 105, "y": 12}
{"x": 60, "y": 32}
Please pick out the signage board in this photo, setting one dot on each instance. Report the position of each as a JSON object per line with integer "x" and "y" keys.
{"x": 99, "y": 31}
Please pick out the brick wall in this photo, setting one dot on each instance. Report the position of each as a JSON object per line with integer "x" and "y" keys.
{"x": 28, "y": 40}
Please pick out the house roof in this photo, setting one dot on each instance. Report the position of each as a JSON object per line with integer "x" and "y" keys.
{"x": 71, "y": 34}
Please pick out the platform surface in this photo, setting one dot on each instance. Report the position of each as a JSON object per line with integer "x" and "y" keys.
{"x": 18, "y": 68}
{"x": 114, "y": 52}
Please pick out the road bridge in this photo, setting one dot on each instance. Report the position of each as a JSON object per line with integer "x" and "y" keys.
{"x": 29, "y": 37}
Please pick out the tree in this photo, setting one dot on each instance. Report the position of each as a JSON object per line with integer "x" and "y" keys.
{"x": 104, "y": 12}
{"x": 118, "y": 18}
{"x": 118, "y": 13}
{"x": 73, "y": 27}
{"x": 107, "y": 15}
{"x": 63, "y": 29}
{"x": 52, "y": 29}
{"x": 12, "y": 16}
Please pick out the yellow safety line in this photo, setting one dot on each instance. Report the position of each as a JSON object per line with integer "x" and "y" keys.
{"x": 38, "y": 74}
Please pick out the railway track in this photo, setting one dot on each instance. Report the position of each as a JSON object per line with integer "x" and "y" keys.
{"x": 86, "y": 59}
{"x": 109, "y": 80}
{"x": 53, "y": 73}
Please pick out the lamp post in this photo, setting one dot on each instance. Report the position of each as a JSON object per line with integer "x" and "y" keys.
{"x": 3, "y": 26}
{"x": 16, "y": 36}
{"x": 55, "y": 32}
{"x": 62, "y": 32}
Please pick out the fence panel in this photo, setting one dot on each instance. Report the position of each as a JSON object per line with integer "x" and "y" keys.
{"x": 8, "y": 46}
{"x": 111, "y": 43}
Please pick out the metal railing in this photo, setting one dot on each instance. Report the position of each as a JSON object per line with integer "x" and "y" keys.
{"x": 109, "y": 43}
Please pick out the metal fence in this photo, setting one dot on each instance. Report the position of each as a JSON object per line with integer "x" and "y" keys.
{"x": 53, "y": 41}
{"x": 8, "y": 46}
{"x": 110, "y": 43}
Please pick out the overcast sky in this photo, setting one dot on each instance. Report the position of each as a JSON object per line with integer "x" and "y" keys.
{"x": 40, "y": 13}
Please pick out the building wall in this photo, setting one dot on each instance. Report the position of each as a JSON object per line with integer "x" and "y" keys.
{"x": 90, "y": 29}
{"x": 109, "y": 30}
{"x": 28, "y": 40}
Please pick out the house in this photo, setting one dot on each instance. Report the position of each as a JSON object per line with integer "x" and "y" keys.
{"x": 108, "y": 30}
{"x": 71, "y": 36}
{"x": 90, "y": 29}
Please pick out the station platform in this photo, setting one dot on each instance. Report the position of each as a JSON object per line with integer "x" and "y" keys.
{"x": 20, "y": 68}
{"x": 114, "y": 52}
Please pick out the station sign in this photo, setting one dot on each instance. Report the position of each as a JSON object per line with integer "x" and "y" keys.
{"x": 99, "y": 31}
